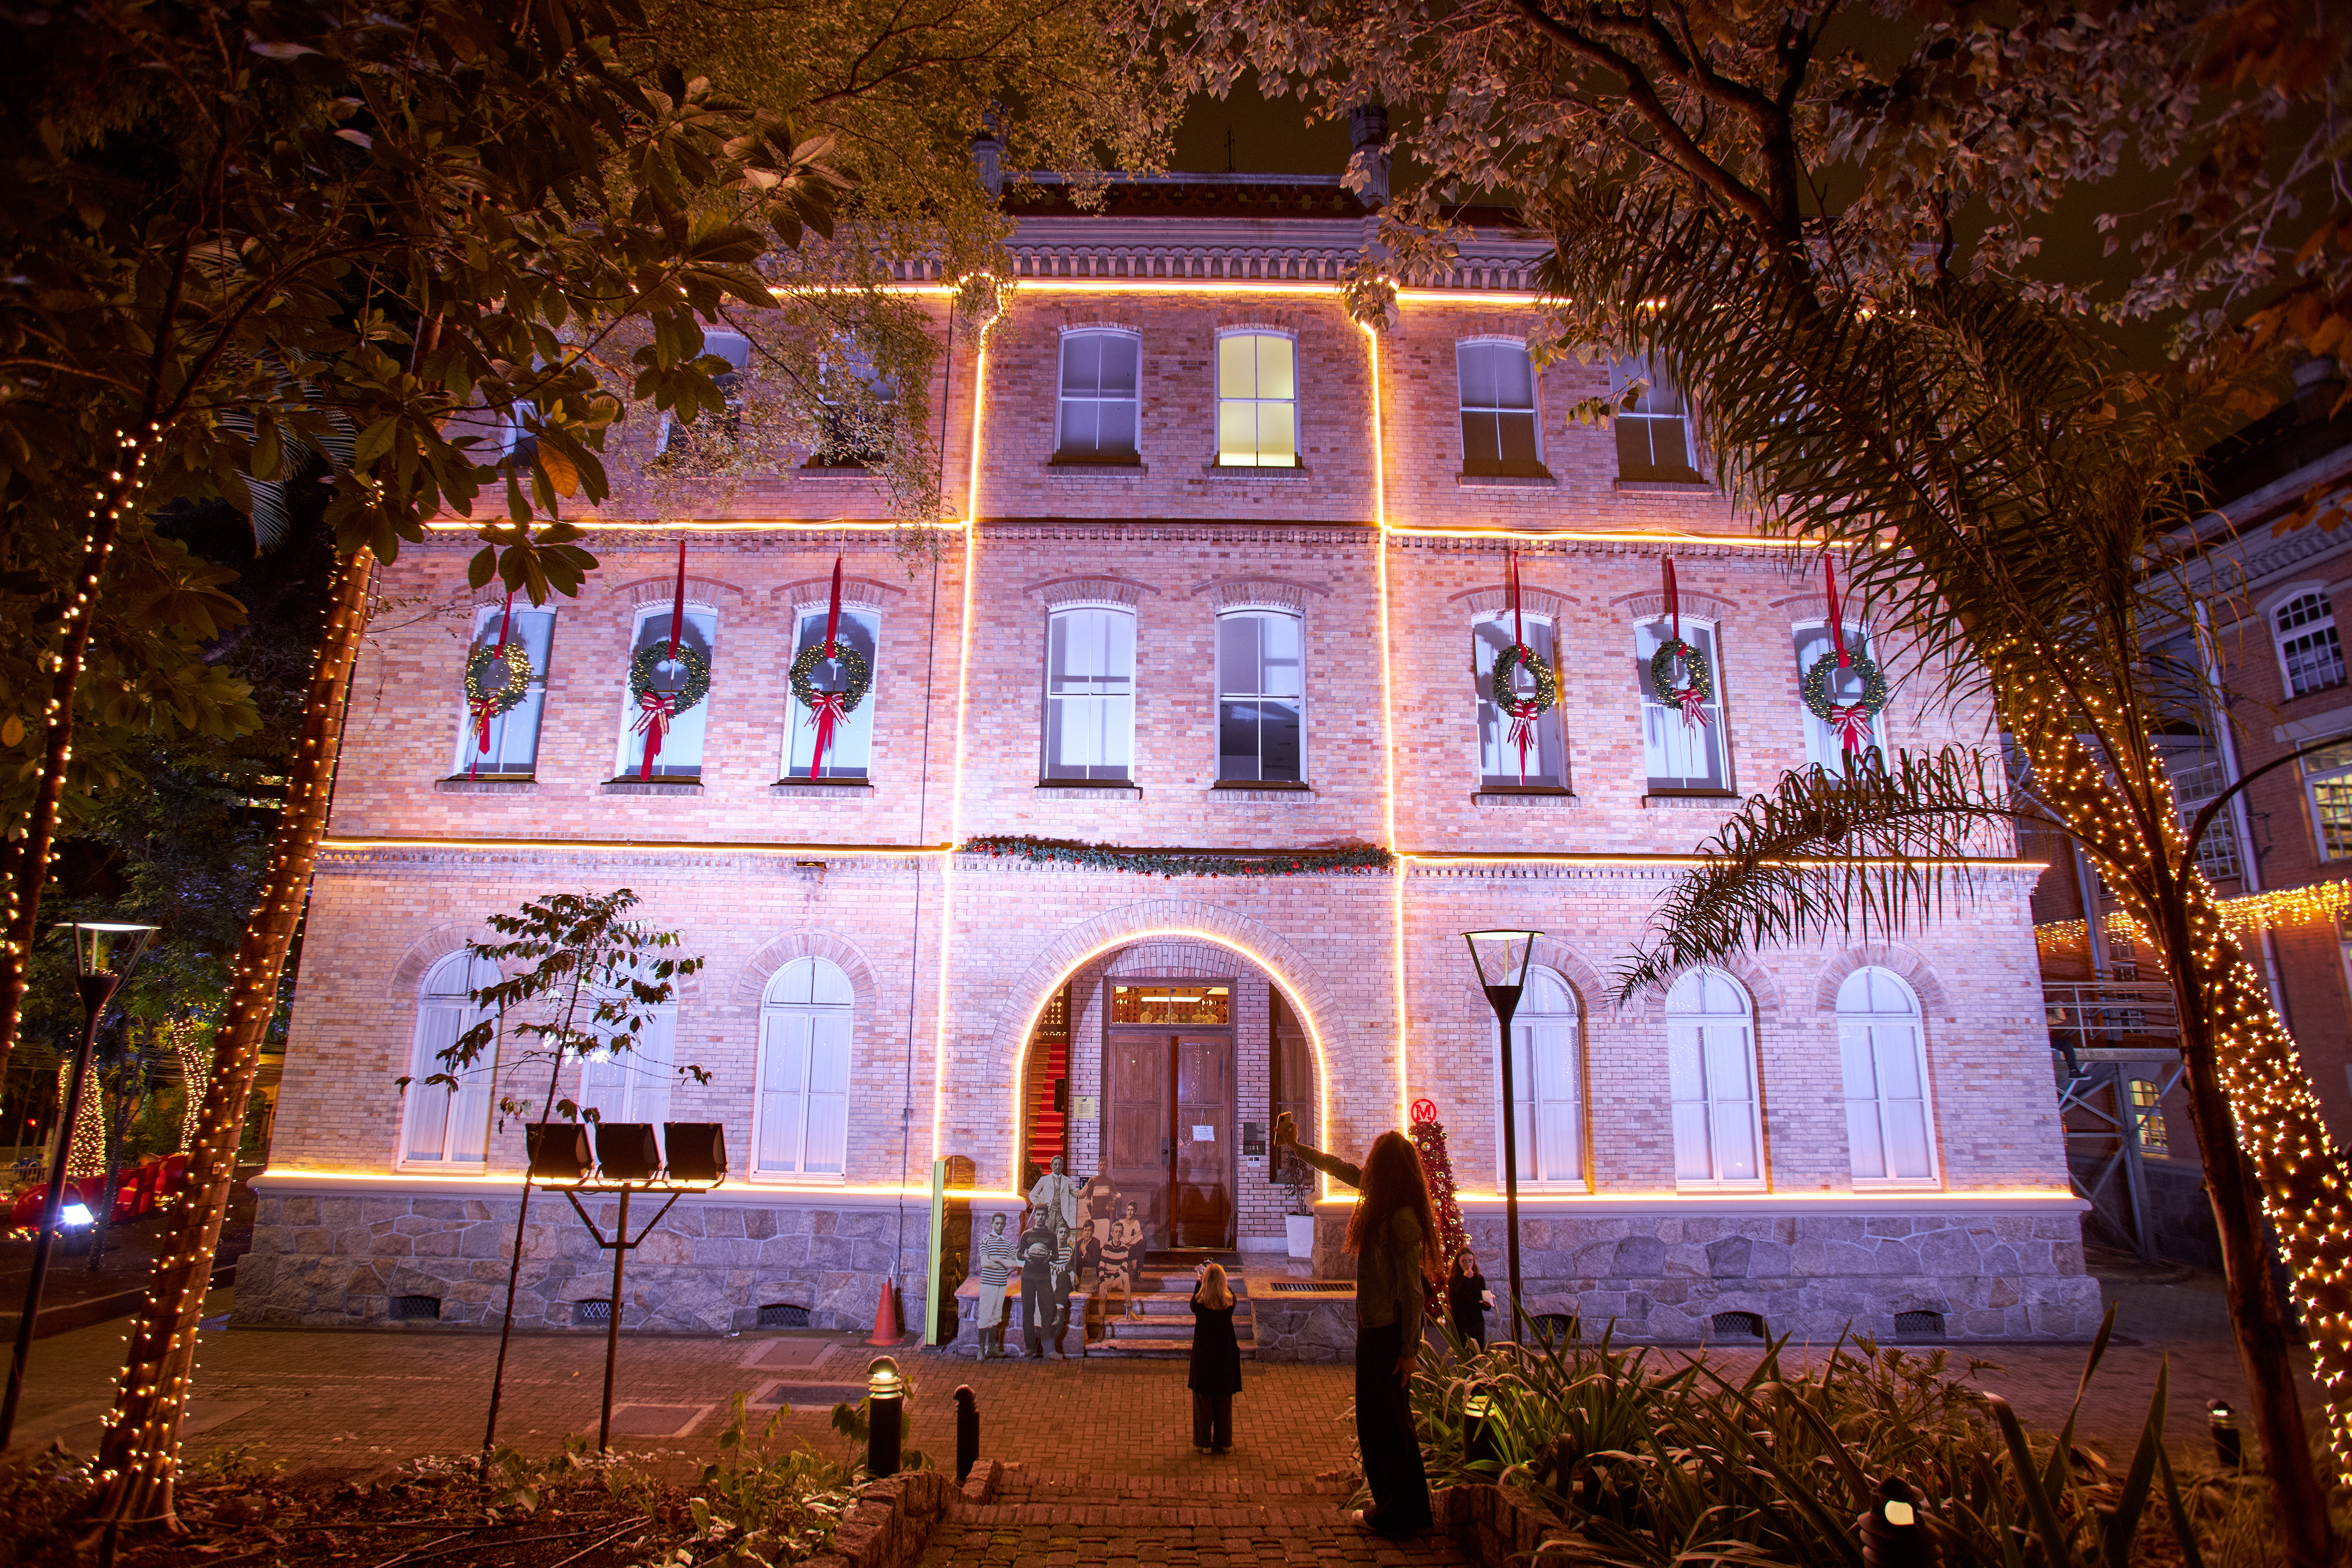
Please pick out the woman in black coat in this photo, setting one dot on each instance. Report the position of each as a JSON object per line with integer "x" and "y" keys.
{"x": 1216, "y": 1374}
{"x": 1466, "y": 1300}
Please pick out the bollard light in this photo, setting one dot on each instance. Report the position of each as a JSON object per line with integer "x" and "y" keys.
{"x": 1477, "y": 1430}
{"x": 1892, "y": 1534}
{"x": 967, "y": 1431}
{"x": 2229, "y": 1444}
{"x": 886, "y": 1416}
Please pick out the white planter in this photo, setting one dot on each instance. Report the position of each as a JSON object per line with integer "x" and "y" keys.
{"x": 1301, "y": 1227}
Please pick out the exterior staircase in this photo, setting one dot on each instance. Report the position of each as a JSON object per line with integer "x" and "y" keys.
{"x": 1157, "y": 1324}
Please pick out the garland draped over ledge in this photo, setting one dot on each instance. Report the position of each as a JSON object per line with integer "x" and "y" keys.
{"x": 1346, "y": 857}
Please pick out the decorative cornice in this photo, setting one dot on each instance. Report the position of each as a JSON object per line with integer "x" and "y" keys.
{"x": 1128, "y": 529}
{"x": 705, "y": 591}
{"x": 1102, "y": 588}
{"x": 1259, "y": 593}
{"x": 1649, "y": 607}
{"x": 1497, "y": 596}
{"x": 866, "y": 591}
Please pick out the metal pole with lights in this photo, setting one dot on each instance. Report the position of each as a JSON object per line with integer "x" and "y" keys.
{"x": 104, "y": 952}
{"x": 1501, "y": 957}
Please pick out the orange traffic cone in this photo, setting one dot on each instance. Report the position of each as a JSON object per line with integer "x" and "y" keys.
{"x": 886, "y": 1318}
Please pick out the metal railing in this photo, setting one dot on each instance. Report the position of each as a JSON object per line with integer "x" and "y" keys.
{"x": 2110, "y": 1015}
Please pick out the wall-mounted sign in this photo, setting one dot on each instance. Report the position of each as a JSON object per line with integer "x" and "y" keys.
{"x": 1203, "y": 1134}
{"x": 1082, "y": 1106}
{"x": 1253, "y": 1139}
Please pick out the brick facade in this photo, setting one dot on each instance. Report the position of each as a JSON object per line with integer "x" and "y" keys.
{"x": 952, "y": 955}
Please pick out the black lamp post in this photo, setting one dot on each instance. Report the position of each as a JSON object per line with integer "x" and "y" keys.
{"x": 104, "y": 952}
{"x": 1501, "y": 957}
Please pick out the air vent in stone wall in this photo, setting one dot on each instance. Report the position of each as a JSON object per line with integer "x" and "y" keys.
{"x": 414, "y": 1308}
{"x": 1737, "y": 1325}
{"x": 783, "y": 1315}
{"x": 1921, "y": 1325}
{"x": 1557, "y": 1328}
{"x": 596, "y": 1313}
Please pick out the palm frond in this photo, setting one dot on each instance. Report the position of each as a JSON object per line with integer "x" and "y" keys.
{"x": 1877, "y": 851}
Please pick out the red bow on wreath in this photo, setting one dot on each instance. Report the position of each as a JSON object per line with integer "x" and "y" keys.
{"x": 486, "y": 705}
{"x": 1523, "y": 713}
{"x": 830, "y": 706}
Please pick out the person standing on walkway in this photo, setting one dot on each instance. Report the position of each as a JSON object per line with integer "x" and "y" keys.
{"x": 1466, "y": 1300}
{"x": 1388, "y": 1233}
{"x": 995, "y": 1267}
{"x": 1216, "y": 1374}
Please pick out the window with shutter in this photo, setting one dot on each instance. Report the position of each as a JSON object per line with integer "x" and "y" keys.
{"x": 1548, "y": 1078}
{"x": 801, "y": 1101}
{"x": 513, "y": 749}
{"x": 440, "y": 1126}
{"x": 1881, "y": 1049}
{"x": 1711, "y": 1081}
{"x": 1089, "y": 693}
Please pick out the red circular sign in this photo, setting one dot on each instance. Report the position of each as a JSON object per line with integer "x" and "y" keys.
{"x": 1425, "y": 1110}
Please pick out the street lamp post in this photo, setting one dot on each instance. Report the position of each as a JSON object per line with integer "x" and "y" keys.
{"x": 104, "y": 952}
{"x": 1501, "y": 957}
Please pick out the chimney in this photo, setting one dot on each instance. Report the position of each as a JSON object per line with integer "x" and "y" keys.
{"x": 1368, "y": 167}
{"x": 988, "y": 155}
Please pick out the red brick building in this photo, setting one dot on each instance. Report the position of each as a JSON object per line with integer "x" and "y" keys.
{"x": 1232, "y": 571}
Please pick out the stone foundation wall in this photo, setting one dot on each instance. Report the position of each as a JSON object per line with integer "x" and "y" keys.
{"x": 1992, "y": 1276}
{"x": 327, "y": 1259}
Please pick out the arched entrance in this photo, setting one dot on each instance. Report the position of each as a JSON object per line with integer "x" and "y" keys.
{"x": 1155, "y": 1068}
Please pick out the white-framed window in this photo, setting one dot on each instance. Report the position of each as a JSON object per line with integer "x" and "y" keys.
{"x": 1089, "y": 693}
{"x": 1652, "y": 421}
{"x": 1098, "y": 405}
{"x": 672, "y": 437}
{"x": 801, "y": 1108}
{"x": 1888, "y": 1130}
{"x": 1548, "y": 1082}
{"x": 680, "y": 756}
{"x": 440, "y": 1127}
{"x": 512, "y": 748}
{"x": 1682, "y": 752}
{"x": 2147, "y": 1116}
{"x": 1262, "y": 696}
{"x": 2198, "y": 777}
{"x": 849, "y": 753}
{"x": 1258, "y": 401}
{"x": 1500, "y": 435}
{"x": 1711, "y": 1078}
{"x": 630, "y": 1080}
{"x": 1825, "y": 742}
{"x": 2327, "y": 784}
{"x": 856, "y": 406}
{"x": 2310, "y": 658}
{"x": 1498, "y": 753}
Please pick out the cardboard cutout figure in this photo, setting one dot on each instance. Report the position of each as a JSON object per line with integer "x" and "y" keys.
{"x": 1038, "y": 1250}
{"x": 996, "y": 1264}
{"x": 1065, "y": 1277}
{"x": 1122, "y": 1259}
{"x": 1054, "y": 1202}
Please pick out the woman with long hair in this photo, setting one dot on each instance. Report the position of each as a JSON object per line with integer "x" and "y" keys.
{"x": 1216, "y": 1371}
{"x": 1390, "y": 1234}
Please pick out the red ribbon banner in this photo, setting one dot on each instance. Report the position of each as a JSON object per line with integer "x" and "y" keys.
{"x": 831, "y": 706}
{"x": 1689, "y": 699}
{"x": 1852, "y": 719}
{"x": 657, "y": 710}
{"x": 1522, "y": 714}
{"x": 482, "y": 707}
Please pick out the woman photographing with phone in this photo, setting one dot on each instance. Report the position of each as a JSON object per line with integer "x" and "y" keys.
{"x": 1389, "y": 1233}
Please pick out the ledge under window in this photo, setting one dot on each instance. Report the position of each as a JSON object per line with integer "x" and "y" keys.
{"x": 1691, "y": 487}
{"x": 650, "y": 786}
{"x": 1251, "y": 791}
{"x": 823, "y": 789}
{"x": 1256, "y": 471}
{"x": 1099, "y": 467}
{"x": 1541, "y": 480}
{"x": 510, "y": 783}
{"x": 1689, "y": 799}
{"x": 1088, "y": 789}
{"x": 1523, "y": 797}
{"x": 836, "y": 471}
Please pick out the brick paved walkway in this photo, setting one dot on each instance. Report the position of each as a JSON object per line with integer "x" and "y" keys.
{"x": 1043, "y": 1517}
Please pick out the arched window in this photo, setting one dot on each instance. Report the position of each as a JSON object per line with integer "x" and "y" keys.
{"x": 1500, "y": 434}
{"x": 2310, "y": 657}
{"x": 801, "y": 1115}
{"x": 1501, "y": 764}
{"x": 680, "y": 756}
{"x": 1260, "y": 696}
{"x": 1548, "y": 1082}
{"x": 1885, "y": 1078}
{"x": 1258, "y": 401}
{"x": 441, "y": 1126}
{"x": 1711, "y": 1076}
{"x": 631, "y": 1080}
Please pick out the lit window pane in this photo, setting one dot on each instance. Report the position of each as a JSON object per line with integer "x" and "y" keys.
{"x": 1236, "y": 366}
{"x": 1237, "y": 433}
{"x": 1273, "y": 367}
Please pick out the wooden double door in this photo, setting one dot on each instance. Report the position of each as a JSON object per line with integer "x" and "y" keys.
{"x": 1167, "y": 1133}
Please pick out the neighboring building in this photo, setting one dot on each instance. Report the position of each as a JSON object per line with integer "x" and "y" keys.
{"x": 2280, "y": 854}
{"x": 1233, "y": 576}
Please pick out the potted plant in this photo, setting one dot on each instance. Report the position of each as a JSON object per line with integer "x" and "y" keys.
{"x": 1299, "y": 1221}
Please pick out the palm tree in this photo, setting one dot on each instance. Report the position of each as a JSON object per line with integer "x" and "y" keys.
{"x": 2013, "y": 510}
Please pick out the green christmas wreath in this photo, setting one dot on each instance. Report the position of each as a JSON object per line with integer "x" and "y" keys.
{"x": 1519, "y": 655}
{"x": 497, "y": 678}
{"x": 651, "y": 657}
{"x": 856, "y": 675}
{"x": 1847, "y": 716}
{"x": 1690, "y": 698}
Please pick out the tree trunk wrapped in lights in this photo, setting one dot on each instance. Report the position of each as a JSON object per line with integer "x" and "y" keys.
{"x": 139, "y": 1457}
{"x": 194, "y": 1051}
{"x": 86, "y": 1156}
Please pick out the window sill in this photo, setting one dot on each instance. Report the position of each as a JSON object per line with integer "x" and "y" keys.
{"x": 795, "y": 1179}
{"x": 836, "y": 471}
{"x": 1691, "y": 487}
{"x": 1900, "y": 1184}
{"x": 1099, "y": 467}
{"x": 494, "y": 785}
{"x": 1693, "y": 800}
{"x": 1525, "y": 798}
{"x": 1542, "y": 480}
{"x": 1086, "y": 789}
{"x": 1254, "y": 470}
{"x": 1246, "y": 792}
{"x": 650, "y": 786}
{"x": 1754, "y": 1186}
{"x": 824, "y": 789}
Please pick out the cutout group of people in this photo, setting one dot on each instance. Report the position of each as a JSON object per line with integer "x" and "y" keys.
{"x": 1061, "y": 1241}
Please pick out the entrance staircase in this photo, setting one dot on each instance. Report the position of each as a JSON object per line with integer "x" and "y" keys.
{"x": 1158, "y": 1323}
